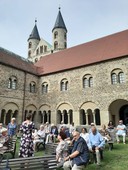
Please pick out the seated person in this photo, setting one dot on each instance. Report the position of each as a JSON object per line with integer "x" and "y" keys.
{"x": 4, "y": 136}
{"x": 38, "y": 136}
{"x": 2, "y": 128}
{"x": 79, "y": 156}
{"x": 96, "y": 144}
{"x": 110, "y": 126}
{"x": 84, "y": 134}
{"x": 62, "y": 147}
{"x": 103, "y": 131}
{"x": 51, "y": 137}
{"x": 121, "y": 131}
{"x": 66, "y": 131}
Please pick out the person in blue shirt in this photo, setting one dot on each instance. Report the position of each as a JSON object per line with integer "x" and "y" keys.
{"x": 12, "y": 127}
{"x": 121, "y": 131}
{"x": 96, "y": 143}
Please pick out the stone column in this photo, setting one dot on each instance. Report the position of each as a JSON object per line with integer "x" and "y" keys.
{"x": 86, "y": 114}
{"x": 47, "y": 117}
{"x": 63, "y": 117}
{"x": 68, "y": 117}
{"x": 94, "y": 117}
{"x": 76, "y": 117}
{"x": 4, "y": 117}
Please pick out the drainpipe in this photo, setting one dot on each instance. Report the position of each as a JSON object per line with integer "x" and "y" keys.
{"x": 24, "y": 92}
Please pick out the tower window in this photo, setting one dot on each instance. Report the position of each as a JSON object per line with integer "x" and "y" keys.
{"x": 37, "y": 51}
{"x": 65, "y": 45}
{"x": 55, "y": 35}
{"x": 65, "y": 36}
{"x": 30, "y": 45}
{"x": 56, "y": 45}
{"x": 41, "y": 49}
{"x": 45, "y": 48}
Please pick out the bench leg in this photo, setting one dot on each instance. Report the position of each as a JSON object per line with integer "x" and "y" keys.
{"x": 110, "y": 146}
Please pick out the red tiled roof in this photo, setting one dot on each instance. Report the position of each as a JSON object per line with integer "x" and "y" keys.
{"x": 106, "y": 48}
{"x": 13, "y": 60}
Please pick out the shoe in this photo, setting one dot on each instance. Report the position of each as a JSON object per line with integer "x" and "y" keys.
{"x": 98, "y": 164}
{"x": 124, "y": 143}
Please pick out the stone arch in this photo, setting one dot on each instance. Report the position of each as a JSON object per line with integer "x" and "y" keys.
{"x": 118, "y": 109}
{"x": 64, "y": 113}
{"x": 9, "y": 110}
{"x": 89, "y": 113}
{"x": 45, "y": 113}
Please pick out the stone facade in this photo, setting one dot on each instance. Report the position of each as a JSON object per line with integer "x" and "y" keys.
{"x": 101, "y": 102}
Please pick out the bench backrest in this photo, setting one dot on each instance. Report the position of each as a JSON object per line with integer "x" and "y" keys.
{"x": 31, "y": 163}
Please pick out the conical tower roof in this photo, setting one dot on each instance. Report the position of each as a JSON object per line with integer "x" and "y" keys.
{"x": 59, "y": 22}
{"x": 35, "y": 33}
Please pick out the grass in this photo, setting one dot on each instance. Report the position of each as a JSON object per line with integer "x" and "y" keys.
{"x": 117, "y": 159}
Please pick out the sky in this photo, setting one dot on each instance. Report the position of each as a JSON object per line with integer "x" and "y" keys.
{"x": 85, "y": 20}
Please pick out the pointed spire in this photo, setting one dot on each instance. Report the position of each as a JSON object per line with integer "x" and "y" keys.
{"x": 35, "y": 33}
{"x": 59, "y": 21}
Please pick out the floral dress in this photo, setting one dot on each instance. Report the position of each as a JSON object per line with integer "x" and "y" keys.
{"x": 26, "y": 144}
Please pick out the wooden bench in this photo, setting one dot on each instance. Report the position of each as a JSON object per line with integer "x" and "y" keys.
{"x": 50, "y": 148}
{"x": 39, "y": 143}
{"x": 10, "y": 148}
{"x": 31, "y": 163}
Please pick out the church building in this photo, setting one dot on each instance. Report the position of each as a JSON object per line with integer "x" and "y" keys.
{"x": 82, "y": 84}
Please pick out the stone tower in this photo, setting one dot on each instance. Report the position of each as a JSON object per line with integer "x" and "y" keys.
{"x": 33, "y": 41}
{"x": 59, "y": 34}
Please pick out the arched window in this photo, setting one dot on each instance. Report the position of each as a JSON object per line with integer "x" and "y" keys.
{"x": 37, "y": 51}
{"x": 64, "y": 85}
{"x": 30, "y": 45}
{"x": 121, "y": 77}
{"x": 12, "y": 82}
{"x": 117, "y": 76}
{"x": 114, "y": 78}
{"x": 32, "y": 87}
{"x": 55, "y": 35}
{"x": 65, "y": 36}
{"x": 41, "y": 49}
{"x": 90, "y": 82}
{"x": 65, "y": 45}
{"x": 44, "y": 88}
{"x": 87, "y": 81}
{"x": 55, "y": 45}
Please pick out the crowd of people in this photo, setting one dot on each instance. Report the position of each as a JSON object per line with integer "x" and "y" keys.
{"x": 73, "y": 147}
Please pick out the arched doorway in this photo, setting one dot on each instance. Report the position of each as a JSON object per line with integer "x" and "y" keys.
{"x": 118, "y": 109}
{"x": 123, "y": 114}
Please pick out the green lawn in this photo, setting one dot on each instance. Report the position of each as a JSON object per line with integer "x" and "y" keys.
{"x": 117, "y": 159}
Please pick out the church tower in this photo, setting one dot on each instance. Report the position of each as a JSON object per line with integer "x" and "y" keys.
{"x": 33, "y": 41}
{"x": 59, "y": 34}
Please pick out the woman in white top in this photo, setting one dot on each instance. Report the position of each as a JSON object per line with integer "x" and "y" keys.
{"x": 85, "y": 135}
{"x": 38, "y": 136}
